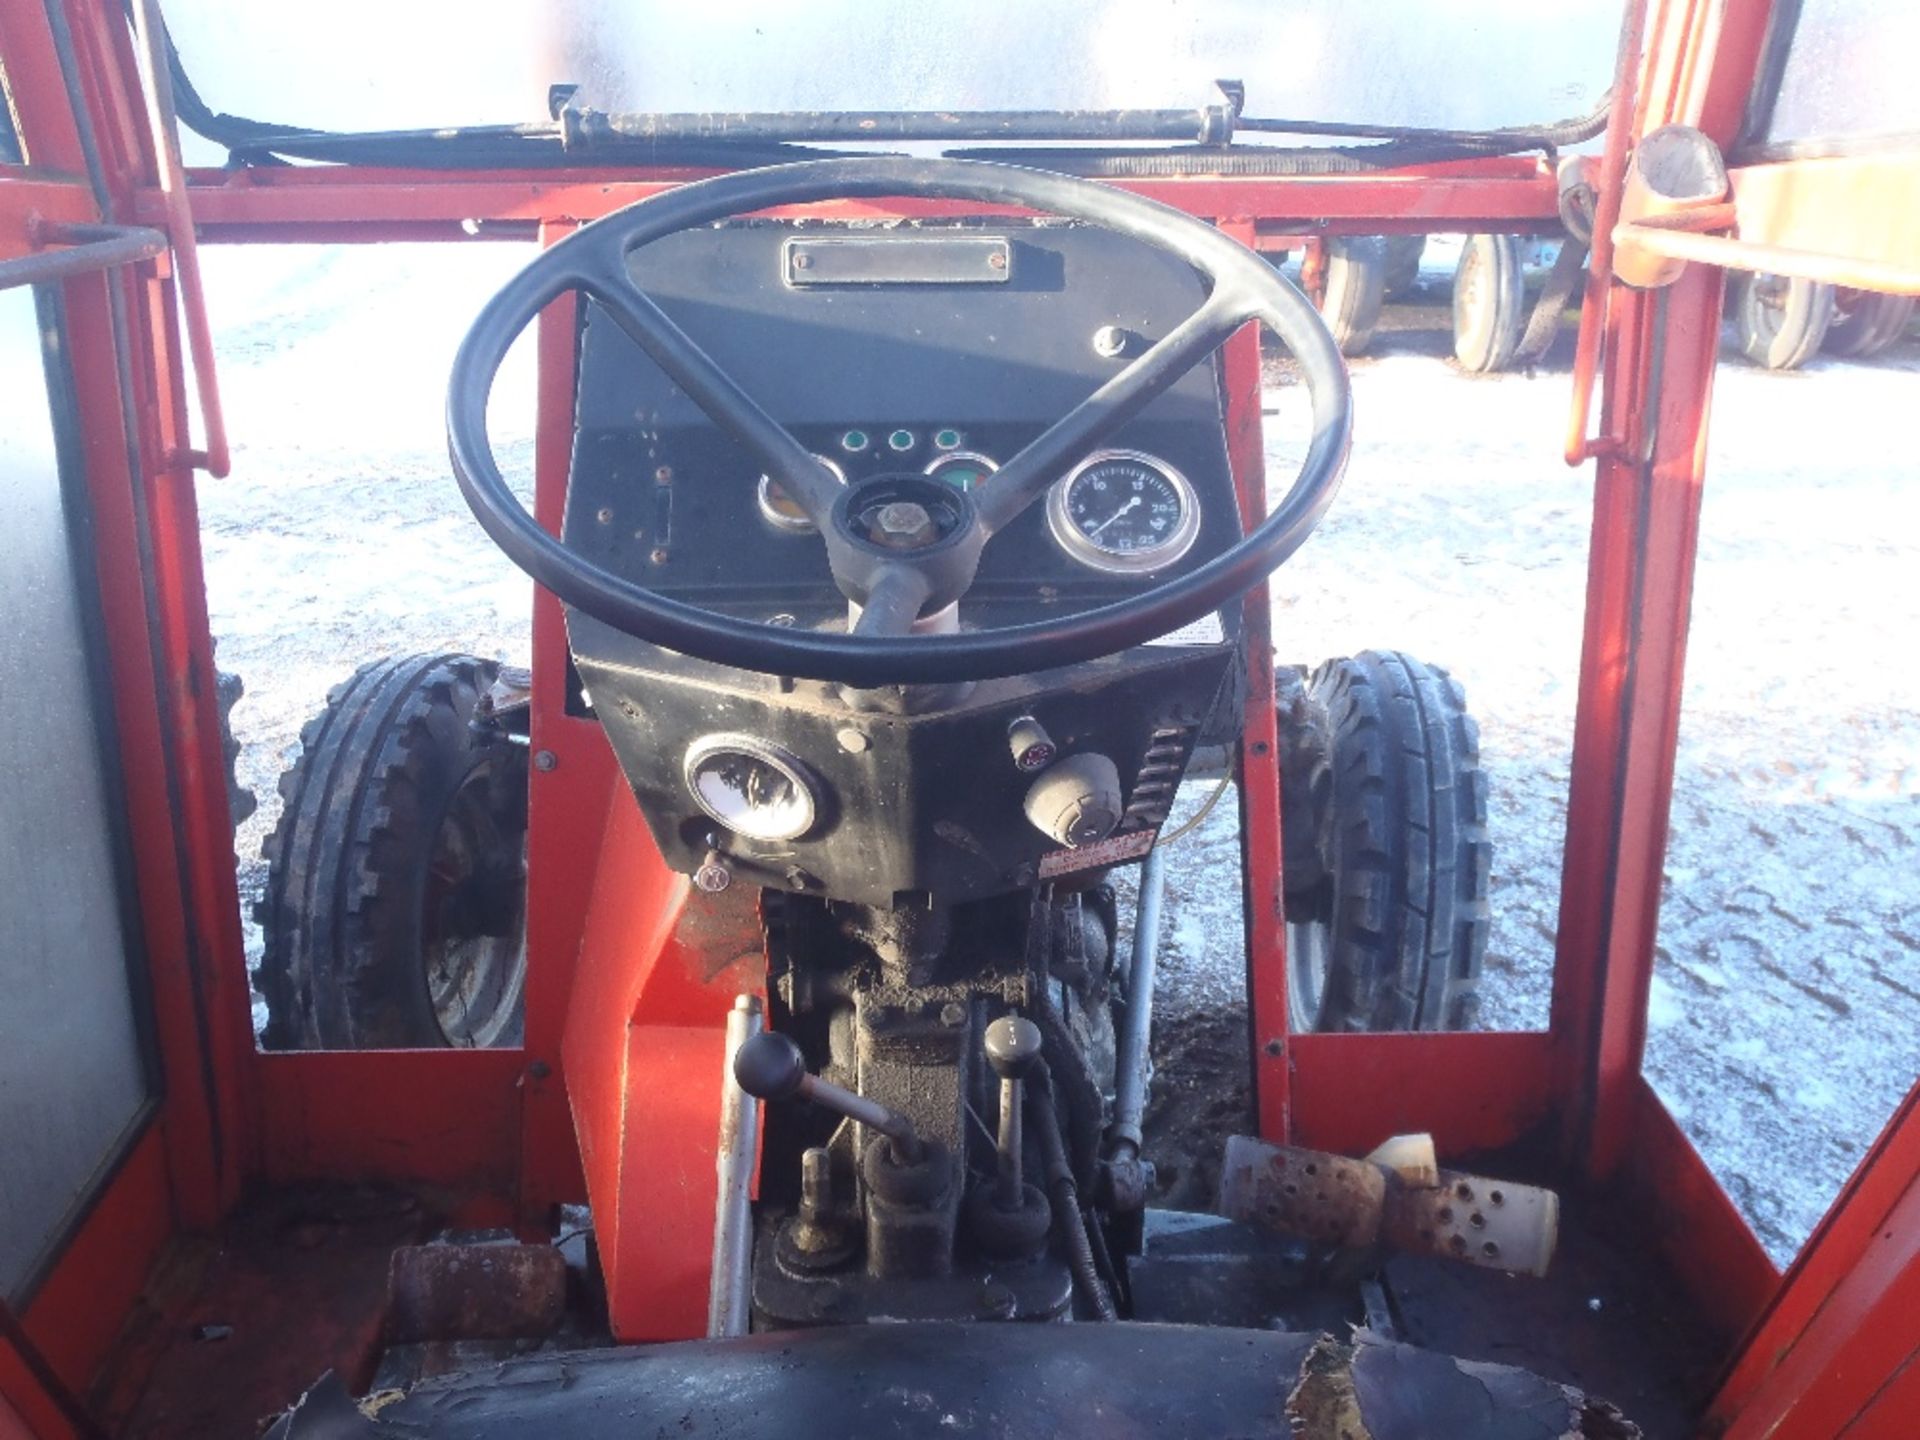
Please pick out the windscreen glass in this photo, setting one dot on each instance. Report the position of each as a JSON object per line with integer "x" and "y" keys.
{"x": 364, "y": 65}
{"x": 1849, "y": 72}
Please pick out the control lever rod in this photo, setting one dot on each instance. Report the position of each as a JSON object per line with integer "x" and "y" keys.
{"x": 1013, "y": 1048}
{"x": 770, "y": 1067}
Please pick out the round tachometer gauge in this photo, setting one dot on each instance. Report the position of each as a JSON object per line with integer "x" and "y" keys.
{"x": 1125, "y": 512}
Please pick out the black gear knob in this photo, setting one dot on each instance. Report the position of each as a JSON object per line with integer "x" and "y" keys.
{"x": 1013, "y": 1044}
{"x": 770, "y": 1066}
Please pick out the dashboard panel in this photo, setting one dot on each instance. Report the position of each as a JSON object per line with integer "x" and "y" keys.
{"x": 894, "y": 356}
{"x": 878, "y": 375}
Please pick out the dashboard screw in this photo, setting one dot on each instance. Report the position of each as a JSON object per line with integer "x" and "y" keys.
{"x": 713, "y": 875}
{"x": 545, "y": 760}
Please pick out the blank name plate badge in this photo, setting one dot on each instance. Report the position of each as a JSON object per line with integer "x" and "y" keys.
{"x": 913, "y": 258}
{"x": 1111, "y": 851}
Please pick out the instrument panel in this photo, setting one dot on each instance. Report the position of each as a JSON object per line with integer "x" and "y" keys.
{"x": 880, "y": 376}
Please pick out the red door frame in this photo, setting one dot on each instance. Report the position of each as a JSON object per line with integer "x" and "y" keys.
{"x": 227, "y": 1109}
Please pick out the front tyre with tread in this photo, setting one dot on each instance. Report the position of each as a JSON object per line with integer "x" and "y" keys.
{"x": 395, "y": 908}
{"x": 1384, "y": 818}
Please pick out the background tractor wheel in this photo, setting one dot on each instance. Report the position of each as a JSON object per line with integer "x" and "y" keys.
{"x": 1402, "y": 272}
{"x": 1489, "y": 303}
{"x": 1865, "y": 323}
{"x": 395, "y": 910}
{"x": 1384, "y": 819}
{"x": 1779, "y": 322}
{"x": 227, "y": 690}
{"x": 1356, "y": 285}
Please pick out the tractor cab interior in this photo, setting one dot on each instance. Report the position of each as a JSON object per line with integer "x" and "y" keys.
{"x": 728, "y": 1025}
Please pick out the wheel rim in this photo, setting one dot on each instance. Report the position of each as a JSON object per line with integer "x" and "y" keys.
{"x": 1769, "y": 309}
{"x": 1307, "y": 961}
{"x": 473, "y": 921}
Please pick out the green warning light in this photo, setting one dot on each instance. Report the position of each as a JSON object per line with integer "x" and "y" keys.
{"x": 854, "y": 441}
{"x": 901, "y": 441}
{"x": 947, "y": 440}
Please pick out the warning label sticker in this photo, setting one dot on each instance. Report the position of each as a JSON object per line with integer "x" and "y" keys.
{"x": 1130, "y": 846}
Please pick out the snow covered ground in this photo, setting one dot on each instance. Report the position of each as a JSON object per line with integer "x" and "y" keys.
{"x": 1786, "y": 1017}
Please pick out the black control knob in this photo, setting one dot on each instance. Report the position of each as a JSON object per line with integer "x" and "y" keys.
{"x": 1077, "y": 801}
{"x": 1013, "y": 1044}
{"x": 771, "y": 1067}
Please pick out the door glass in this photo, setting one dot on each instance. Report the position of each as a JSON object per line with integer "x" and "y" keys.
{"x": 1785, "y": 1017}
{"x": 72, "y": 1078}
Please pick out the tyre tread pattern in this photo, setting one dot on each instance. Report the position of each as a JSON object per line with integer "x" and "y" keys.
{"x": 1409, "y": 853}
{"x": 353, "y": 814}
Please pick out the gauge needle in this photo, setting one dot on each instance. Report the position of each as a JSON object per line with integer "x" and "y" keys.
{"x": 1132, "y": 503}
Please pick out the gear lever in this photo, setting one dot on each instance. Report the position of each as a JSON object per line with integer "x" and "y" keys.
{"x": 1013, "y": 1044}
{"x": 770, "y": 1067}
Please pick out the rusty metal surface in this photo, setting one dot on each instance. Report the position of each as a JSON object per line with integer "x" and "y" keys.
{"x": 1326, "y": 1198}
{"x": 232, "y": 1328}
{"x": 475, "y": 1292}
{"x": 1502, "y": 1225}
{"x": 1359, "y": 1204}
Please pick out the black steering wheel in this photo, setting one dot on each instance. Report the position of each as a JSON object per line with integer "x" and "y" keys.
{"x": 924, "y": 557}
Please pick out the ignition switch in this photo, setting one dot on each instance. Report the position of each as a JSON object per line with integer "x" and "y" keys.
{"x": 1077, "y": 801}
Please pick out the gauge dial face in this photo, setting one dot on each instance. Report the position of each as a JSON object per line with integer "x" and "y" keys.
{"x": 963, "y": 469}
{"x": 752, "y": 787}
{"x": 781, "y": 511}
{"x": 1124, "y": 512}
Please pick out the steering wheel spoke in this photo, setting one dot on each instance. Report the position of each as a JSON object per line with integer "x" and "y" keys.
{"x": 784, "y": 458}
{"x": 893, "y": 602}
{"x": 1029, "y": 474}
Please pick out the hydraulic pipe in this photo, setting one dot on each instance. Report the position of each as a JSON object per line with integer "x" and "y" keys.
{"x": 730, "y": 1291}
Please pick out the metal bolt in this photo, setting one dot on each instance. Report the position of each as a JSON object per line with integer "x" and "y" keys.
{"x": 545, "y": 760}
{"x": 797, "y": 879}
{"x": 903, "y": 517}
{"x": 1276, "y": 1046}
{"x": 826, "y": 1300}
{"x": 852, "y": 741}
{"x": 604, "y": 515}
{"x": 659, "y": 555}
{"x": 803, "y": 261}
{"x": 952, "y": 1013}
{"x": 1110, "y": 342}
{"x": 816, "y": 1184}
{"x": 996, "y": 261}
{"x": 783, "y": 620}
{"x": 713, "y": 875}
{"x": 663, "y": 476}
